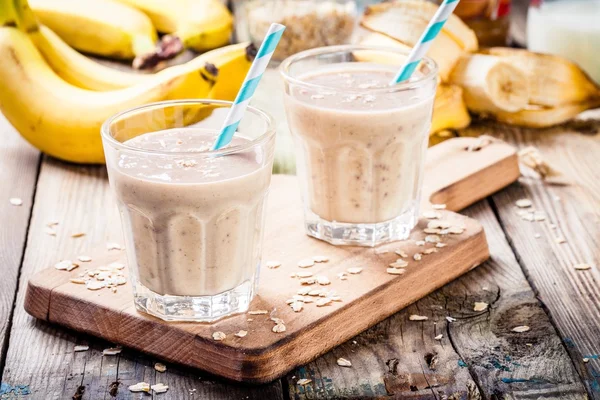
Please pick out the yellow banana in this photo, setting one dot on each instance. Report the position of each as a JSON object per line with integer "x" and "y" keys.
{"x": 198, "y": 24}
{"x": 103, "y": 27}
{"x": 407, "y": 30}
{"x": 449, "y": 109}
{"x": 425, "y": 10}
{"x": 553, "y": 80}
{"x": 542, "y": 117}
{"x": 8, "y": 16}
{"x": 63, "y": 120}
{"x": 491, "y": 84}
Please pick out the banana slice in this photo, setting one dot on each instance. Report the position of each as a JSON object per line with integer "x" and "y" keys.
{"x": 407, "y": 30}
{"x": 491, "y": 85}
{"x": 542, "y": 117}
{"x": 552, "y": 80}
{"x": 449, "y": 109}
{"x": 378, "y": 39}
{"x": 424, "y": 10}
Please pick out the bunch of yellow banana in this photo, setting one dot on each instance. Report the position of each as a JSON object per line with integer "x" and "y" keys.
{"x": 513, "y": 86}
{"x": 63, "y": 118}
{"x": 126, "y": 29}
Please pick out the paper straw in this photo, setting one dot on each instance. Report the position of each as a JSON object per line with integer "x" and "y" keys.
{"x": 258, "y": 67}
{"x": 424, "y": 43}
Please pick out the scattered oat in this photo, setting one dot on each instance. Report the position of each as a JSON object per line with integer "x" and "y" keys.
{"x": 381, "y": 251}
{"x": 79, "y": 281}
{"x": 519, "y": 329}
{"x": 273, "y": 264}
{"x": 354, "y": 270}
{"x": 15, "y": 201}
{"x": 241, "y": 333}
{"x": 303, "y": 291}
{"x": 308, "y": 281}
{"x": 186, "y": 163}
{"x": 438, "y": 206}
{"x": 439, "y": 224}
{"x": 582, "y": 267}
{"x": 456, "y": 230}
{"x": 293, "y": 275}
{"x": 315, "y": 292}
{"x": 66, "y": 265}
{"x": 320, "y": 259}
{"x": 399, "y": 263}
{"x": 279, "y": 328}
{"x": 160, "y": 367}
{"x": 50, "y": 231}
{"x": 430, "y": 251}
{"x": 77, "y": 234}
{"x": 415, "y": 317}
{"x": 111, "y": 351}
{"x": 84, "y": 258}
{"x": 539, "y": 216}
{"x": 431, "y": 215}
{"x": 439, "y": 337}
{"x": 537, "y": 235}
{"x": 317, "y": 97}
{"x": 586, "y": 360}
{"x": 159, "y": 388}
{"x": 297, "y": 306}
{"x": 81, "y": 348}
{"x": 323, "y": 280}
{"x": 431, "y": 230}
{"x": 523, "y": 203}
{"x": 304, "y": 274}
{"x": 450, "y": 319}
{"x": 394, "y": 271}
{"x": 433, "y": 239}
{"x": 560, "y": 240}
{"x": 113, "y": 246}
{"x": 140, "y": 387}
{"x": 306, "y": 263}
{"x": 417, "y": 256}
{"x": 420, "y": 243}
{"x": 401, "y": 253}
{"x": 116, "y": 265}
{"x": 258, "y": 312}
{"x": 480, "y": 306}
{"x": 218, "y": 336}
{"x": 250, "y": 319}
{"x": 323, "y": 302}
{"x": 342, "y": 362}
{"x": 440, "y": 245}
{"x": 303, "y": 382}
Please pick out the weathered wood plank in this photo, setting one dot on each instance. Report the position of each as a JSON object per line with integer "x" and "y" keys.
{"x": 41, "y": 356}
{"x": 571, "y": 297}
{"x": 19, "y": 164}
{"x": 478, "y": 356}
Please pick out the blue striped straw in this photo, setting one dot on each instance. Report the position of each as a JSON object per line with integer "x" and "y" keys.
{"x": 424, "y": 43}
{"x": 258, "y": 67}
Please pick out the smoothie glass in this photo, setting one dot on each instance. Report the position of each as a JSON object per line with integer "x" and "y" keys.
{"x": 360, "y": 144}
{"x": 192, "y": 218}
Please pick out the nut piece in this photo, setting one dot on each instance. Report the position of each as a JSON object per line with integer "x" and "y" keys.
{"x": 480, "y": 306}
{"x": 519, "y": 329}
{"x": 160, "y": 367}
{"x": 140, "y": 387}
{"x": 415, "y": 317}
{"x": 218, "y": 336}
{"x": 342, "y": 362}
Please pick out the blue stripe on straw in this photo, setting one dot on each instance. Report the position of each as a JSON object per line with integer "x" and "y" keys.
{"x": 408, "y": 70}
{"x": 433, "y": 31}
{"x": 257, "y": 69}
{"x": 269, "y": 44}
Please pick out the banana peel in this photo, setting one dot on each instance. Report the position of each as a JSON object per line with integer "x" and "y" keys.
{"x": 534, "y": 116}
{"x": 449, "y": 109}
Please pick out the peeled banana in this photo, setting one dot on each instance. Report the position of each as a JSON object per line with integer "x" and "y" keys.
{"x": 102, "y": 27}
{"x": 63, "y": 120}
{"x": 491, "y": 84}
{"x": 449, "y": 109}
{"x": 553, "y": 80}
{"x": 542, "y": 117}
{"x": 425, "y": 10}
{"x": 198, "y": 24}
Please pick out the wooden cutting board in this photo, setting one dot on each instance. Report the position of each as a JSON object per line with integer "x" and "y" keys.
{"x": 454, "y": 176}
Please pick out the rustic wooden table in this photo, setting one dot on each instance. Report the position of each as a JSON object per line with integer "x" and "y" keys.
{"x": 530, "y": 280}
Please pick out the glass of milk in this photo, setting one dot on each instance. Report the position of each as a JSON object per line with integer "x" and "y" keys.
{"x": 360, "y": 143}
{"x": 192, "y": 218}
{"x": 568, "y": 28}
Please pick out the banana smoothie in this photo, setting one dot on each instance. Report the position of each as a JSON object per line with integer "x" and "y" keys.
{"x": 194, "y": 224}
{"x": 360, "y": 151}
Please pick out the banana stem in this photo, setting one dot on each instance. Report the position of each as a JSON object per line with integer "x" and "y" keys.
{"x": 26, "y": 20}
{"x": 7, "y": 14}
{"x": 168, "y": 47}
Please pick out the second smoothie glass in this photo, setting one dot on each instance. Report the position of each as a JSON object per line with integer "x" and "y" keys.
{"x": 360, "y": 148}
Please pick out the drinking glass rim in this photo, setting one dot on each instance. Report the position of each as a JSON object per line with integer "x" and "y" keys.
{"x": 407, "y": 85}
{"x": 269, "y": 133}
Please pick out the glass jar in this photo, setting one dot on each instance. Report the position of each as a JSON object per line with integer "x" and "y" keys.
{"x": 309, "y": 23}
{"x": 568, "y": 28}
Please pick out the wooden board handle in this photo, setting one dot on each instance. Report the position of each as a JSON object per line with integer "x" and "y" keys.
{"x": 458, "y": 176}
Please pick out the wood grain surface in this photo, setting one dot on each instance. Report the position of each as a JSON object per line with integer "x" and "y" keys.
{"x": 263, "y": 356}
{"x": 571, "y": 297}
